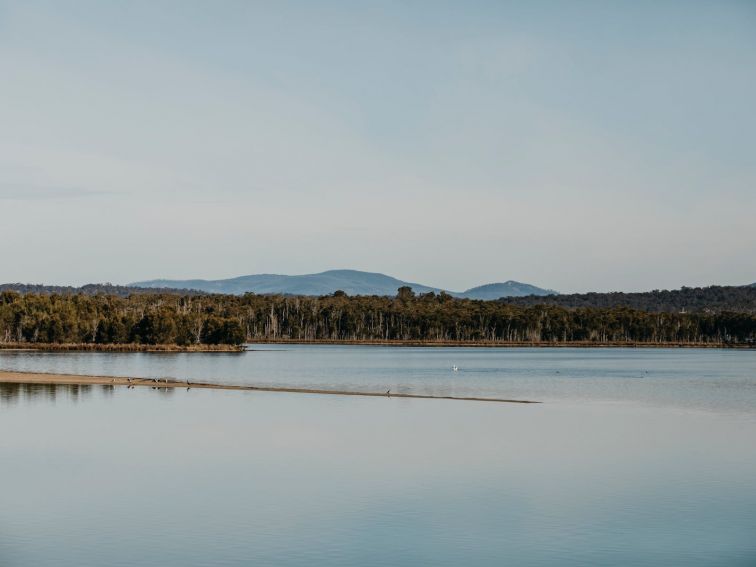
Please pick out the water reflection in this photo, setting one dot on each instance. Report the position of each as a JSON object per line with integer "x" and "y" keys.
{"x": 210, "y": 477}
{"x": 12, "y": 393}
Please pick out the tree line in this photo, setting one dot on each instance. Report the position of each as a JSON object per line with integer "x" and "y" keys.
{"x": 169, "y": 318}
{"x": 93, "y": 289}
{"x": 712, "y": 299}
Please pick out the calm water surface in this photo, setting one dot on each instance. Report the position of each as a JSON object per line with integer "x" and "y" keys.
{"x": 637, "y": 457}
{"x": 720, "y": 380}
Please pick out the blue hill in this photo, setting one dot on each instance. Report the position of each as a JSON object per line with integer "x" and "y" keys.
{"x": 352, "y": 282}
{"x": 507, "y": 289}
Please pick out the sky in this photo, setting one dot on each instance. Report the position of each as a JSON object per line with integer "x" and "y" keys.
{"x": 578, "y": 146}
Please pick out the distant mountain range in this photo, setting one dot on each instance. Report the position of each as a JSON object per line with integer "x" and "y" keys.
{"x": 352, "y": 282}
{"x": 706, "y": 300}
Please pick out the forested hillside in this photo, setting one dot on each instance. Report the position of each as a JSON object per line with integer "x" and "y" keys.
{"x": 713, "y": 299}
{"x": 214, "y": 319}
{"x": 90, "y": 289}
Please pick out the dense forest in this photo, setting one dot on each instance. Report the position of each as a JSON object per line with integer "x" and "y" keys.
{"x": 164, "y": 318}
{"x": 91, "y": 289}
{"x": 713, "y": 299}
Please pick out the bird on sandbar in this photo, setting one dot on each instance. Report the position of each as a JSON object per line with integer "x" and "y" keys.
{"x": 388, "y": 392}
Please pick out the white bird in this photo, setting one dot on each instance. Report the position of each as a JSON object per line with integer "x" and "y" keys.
{"x": 454, "y": 368}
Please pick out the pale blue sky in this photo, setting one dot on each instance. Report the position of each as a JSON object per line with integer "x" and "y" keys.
{"x": 573, "y": 145}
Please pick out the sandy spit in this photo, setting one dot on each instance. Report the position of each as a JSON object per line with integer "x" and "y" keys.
{"x": 75, "y": 379}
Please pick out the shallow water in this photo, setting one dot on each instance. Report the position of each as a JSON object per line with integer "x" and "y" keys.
{"x": 613, "y": 469}
{"x": 716, "y": 379}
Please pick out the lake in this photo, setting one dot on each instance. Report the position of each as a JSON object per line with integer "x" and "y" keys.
{"x": 635, "y": 457}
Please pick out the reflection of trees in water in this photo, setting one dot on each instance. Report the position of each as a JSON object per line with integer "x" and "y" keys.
{"x": 11, "y": 393}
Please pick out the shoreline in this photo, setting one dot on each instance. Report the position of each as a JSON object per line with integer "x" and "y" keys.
{"x": 14, "y": 377}
{"x": 201, "y": 348}
{"x": 117, "y": 347}
{"x": 499, "y": 344}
